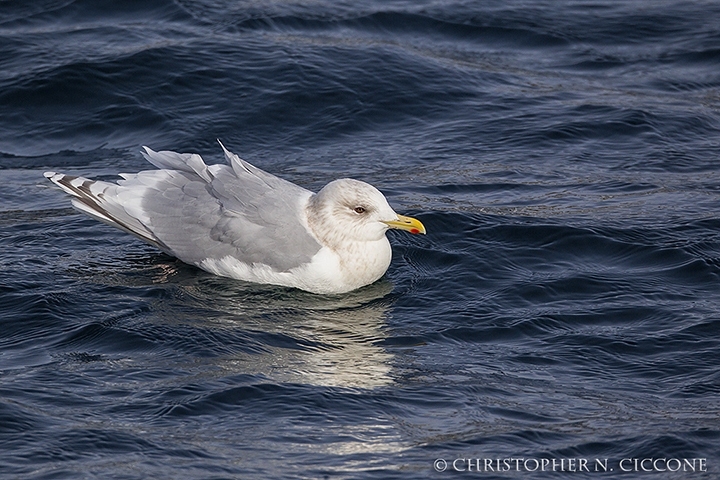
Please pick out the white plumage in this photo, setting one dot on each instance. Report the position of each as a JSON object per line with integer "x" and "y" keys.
{"x": 238, "y": 221}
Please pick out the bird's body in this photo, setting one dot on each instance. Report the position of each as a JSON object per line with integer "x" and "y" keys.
{"x": 238, "y": 221}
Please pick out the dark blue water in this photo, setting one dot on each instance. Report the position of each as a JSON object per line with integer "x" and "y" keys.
{"x": 564, "y": 306}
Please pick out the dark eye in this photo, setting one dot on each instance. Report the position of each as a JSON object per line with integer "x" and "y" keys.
{"x": 359, "y": 209}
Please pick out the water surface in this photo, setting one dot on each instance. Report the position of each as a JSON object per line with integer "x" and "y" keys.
{"x": 564, "y": 304}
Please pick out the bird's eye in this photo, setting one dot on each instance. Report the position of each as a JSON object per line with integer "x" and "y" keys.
{"x": 359, "y": 209}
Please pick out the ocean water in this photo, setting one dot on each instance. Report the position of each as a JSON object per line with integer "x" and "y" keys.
{"x": 563, "y": 310}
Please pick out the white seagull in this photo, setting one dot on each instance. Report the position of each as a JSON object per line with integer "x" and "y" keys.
{"x": 238, "y": 221}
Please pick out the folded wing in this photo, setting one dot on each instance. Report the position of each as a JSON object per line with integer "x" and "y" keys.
{"x": 198, "y": 212}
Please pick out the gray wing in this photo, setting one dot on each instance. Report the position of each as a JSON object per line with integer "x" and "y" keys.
{"x": 197, "y": 212}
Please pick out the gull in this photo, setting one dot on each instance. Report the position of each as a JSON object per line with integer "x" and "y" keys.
{"x": 239, "y": 221}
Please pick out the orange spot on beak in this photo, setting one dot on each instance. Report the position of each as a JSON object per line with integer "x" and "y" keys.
{"x": 408, "y": 224}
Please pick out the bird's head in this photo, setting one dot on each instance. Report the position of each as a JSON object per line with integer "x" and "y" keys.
{"x": 349, "y": 209}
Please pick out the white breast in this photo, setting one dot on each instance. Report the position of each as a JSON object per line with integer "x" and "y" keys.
{"x": 360, "y": 264}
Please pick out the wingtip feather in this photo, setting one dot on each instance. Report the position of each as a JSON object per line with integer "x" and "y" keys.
{"x": 228, "y": 154}
{"x": 239, "y": 165}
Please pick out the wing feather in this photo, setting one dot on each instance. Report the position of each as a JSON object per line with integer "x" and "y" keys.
{"x": 198, "y": 212}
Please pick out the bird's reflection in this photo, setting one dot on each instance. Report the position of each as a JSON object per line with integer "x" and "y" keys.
{"x": 305, "y": 338}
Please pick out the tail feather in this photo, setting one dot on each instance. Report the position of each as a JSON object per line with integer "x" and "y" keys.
{"x": 89, "y": 197}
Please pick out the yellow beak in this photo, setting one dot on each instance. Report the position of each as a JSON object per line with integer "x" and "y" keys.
{"x": 410, "y": 224}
